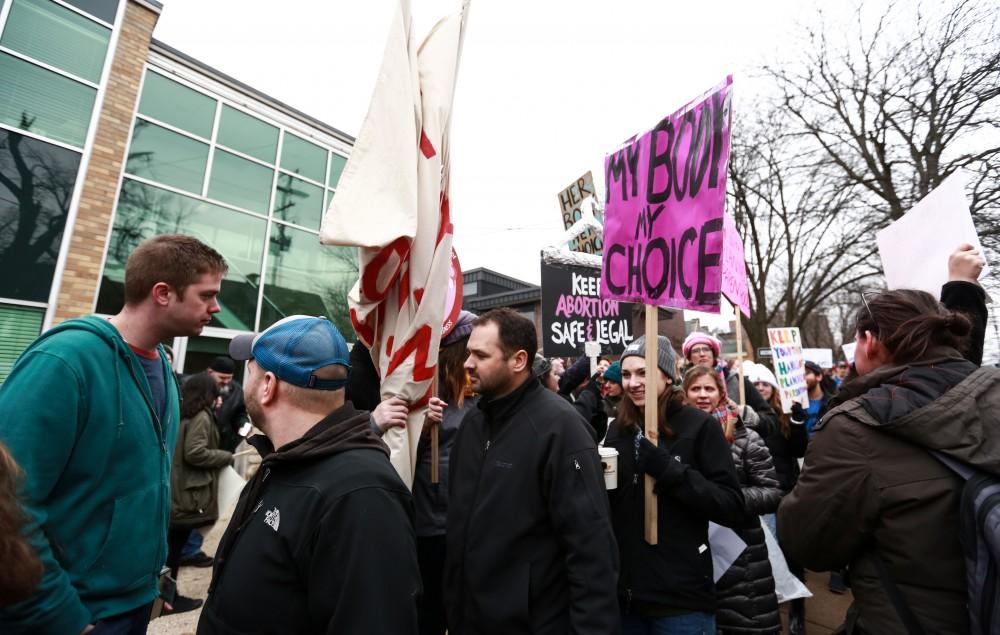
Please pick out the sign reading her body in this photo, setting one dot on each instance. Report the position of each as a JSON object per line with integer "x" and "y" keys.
{"x": 663, "y": 230}
{"x": 570, "y": 202}
{"x": 573, "y": 313}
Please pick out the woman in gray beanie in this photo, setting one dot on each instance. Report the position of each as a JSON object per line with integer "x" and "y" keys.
{"x": 667, "y": 587}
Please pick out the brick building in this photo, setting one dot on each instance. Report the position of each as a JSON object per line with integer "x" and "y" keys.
{"x": 108, "y": 137}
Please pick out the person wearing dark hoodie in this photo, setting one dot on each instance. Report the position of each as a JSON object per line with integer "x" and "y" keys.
{"x": 584, "y": 392}
{"x": 322, "y": 537}
{"x": 668, "y": 587}
{"x": 90, "y": 411}
{"x": 871, "y": 494}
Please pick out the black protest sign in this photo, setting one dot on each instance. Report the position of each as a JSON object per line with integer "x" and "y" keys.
{"x": 573, "y": 313}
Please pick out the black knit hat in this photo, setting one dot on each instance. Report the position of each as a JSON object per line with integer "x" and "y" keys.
{"x": 223, "y": 364}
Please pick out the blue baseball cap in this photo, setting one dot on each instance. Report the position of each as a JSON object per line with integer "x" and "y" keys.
{"x": 294, "y": 348}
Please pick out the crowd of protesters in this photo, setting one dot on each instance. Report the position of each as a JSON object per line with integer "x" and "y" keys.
{"x": 109, "y": 466}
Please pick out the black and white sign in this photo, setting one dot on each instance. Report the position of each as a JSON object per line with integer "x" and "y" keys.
{"x": 573, "y": 312}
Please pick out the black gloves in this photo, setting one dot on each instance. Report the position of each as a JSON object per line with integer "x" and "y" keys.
{"x": 653, "y": 460}
{"x": 798, "y": 414}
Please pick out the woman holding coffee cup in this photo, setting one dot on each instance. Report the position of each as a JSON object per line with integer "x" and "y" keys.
{"x": 667, "y": 588}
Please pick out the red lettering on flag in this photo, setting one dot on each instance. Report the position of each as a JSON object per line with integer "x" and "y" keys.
{"x": 419, "y": 345}
{"x": 374, "y": 269}
{"x": 426, "y": 147}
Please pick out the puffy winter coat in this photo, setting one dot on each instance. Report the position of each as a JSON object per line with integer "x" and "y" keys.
{"x": 746, "y": 599}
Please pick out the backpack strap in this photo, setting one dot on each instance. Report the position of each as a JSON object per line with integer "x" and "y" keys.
{"x": 910, "y": 621}
{"x": 956, "y": 466}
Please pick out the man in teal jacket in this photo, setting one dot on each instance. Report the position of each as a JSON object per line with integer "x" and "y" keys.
{"x": 90, "y": 411}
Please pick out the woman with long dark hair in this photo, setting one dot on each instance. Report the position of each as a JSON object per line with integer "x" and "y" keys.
{"x": 194, "y": 487}
{"x": 746, "y": 599}
{"x": 872, "y": 495}
{"x": 667, "y": 588}
{"x": 431, "y": 499}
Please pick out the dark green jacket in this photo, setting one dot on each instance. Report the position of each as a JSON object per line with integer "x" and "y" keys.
{"x": 194, "y": 483}
{"x": 76, "y": 413}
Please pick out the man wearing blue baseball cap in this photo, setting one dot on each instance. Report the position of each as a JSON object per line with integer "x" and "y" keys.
{"x": 322, "y": 538}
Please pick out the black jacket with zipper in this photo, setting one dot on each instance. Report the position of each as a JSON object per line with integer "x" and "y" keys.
{"x": 699, "y": 485}
{"x": 530, "y": 546}
{"x": 321, "y": 541}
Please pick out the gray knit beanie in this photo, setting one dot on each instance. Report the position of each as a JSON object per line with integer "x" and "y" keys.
{"x": 666, "y": 358}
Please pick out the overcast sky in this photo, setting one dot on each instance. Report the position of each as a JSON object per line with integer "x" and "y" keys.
{"x": 546, "y": 87}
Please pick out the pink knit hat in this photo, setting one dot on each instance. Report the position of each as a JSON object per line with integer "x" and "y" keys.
{"x": 698, "y": 337}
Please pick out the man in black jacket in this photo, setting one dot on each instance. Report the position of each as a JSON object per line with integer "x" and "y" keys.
{"x": 322, "y": 538}
{"x": 530, "y": 546}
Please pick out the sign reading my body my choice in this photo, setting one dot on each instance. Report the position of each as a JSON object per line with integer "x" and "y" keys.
{"x": 574, "y": 313}
{"x": 666, "y": 196}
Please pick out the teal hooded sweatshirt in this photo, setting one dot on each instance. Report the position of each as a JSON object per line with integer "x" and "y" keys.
{"x": 77, "y": 414}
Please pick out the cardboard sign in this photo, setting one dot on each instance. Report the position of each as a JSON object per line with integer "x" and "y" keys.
{"x": 822, "y": 356}
{"x": 663, "y": 229}
{"x": 849, "y": 351}
{"x": 734, "y": 266}
{"x": 574, "y": 313}
{"x": 915, "y": 248}
{"x": 570, "y": 201}
{"x": 789, "y": 366}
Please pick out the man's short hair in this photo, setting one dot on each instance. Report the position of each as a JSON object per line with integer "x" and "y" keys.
{"x": 174, "y": 259}
{"x": 318, "y": 401}
{"x": 517, "y": 332}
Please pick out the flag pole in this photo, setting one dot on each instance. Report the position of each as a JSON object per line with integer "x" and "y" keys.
{"x": 435, "y": 444}
{"x": 651, "y": 411}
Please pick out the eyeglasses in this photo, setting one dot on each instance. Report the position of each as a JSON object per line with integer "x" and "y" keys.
{"x": 870, "y": 314}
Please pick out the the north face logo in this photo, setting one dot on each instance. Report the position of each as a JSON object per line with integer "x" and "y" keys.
{"x": 273, "y": 518}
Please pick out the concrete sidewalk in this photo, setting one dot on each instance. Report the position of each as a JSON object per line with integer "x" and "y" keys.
{"x": 824, "y": 610}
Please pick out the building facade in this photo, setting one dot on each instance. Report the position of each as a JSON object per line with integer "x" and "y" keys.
{"x": 108, "y": 137}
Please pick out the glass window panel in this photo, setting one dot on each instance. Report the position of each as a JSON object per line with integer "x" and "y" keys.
{"x": 102, "y": 9}
{"x": 302, "y": 157}
{"x": 298, "y": 202}
{"x": 167, "y": 157}
{"x": 145, "y": 211}
{"x": 177, "y": 105}
{"x": 304, "y": 277}
{"x": 19, "y": 326}
{"x": 337, "y": 164}
{"x": 240, "y": 182}
{"x": 52, "y": 34}
{"x": 40, "y": 101}
{"x": 249, "y": 135}
{"x": 36, "y": 185}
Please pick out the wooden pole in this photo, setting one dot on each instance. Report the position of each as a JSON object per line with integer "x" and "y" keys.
{"x": 435, "y": 447}
{"x": 651, "y": 410}
{"x": 739, "y": 354}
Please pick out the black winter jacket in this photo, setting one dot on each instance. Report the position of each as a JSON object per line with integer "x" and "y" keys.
{"x": 530, "y": 547}
{"x": 431, "y": 499}
{"x": 321, "y": 540}
{"x": 698, "y": 486}
{"x": 746, "y": 599}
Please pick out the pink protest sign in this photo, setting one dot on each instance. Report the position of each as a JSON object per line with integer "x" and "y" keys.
{"x": 734, "y": 266}
{"x": 666, "y": 196}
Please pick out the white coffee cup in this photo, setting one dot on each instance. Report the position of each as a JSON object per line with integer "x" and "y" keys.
{"x": 609, "y": 461}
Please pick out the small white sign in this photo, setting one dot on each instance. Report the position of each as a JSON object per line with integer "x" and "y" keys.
{"x": 915, "y": 248}
{"x": 822, "y": 356}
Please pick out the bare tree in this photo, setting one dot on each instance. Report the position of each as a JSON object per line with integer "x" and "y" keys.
{"x": 900, "y": 105}
{"x": 803, "y": 228}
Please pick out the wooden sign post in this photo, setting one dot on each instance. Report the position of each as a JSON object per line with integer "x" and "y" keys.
{"x": 435, "y": 445}
{"x": 651, "y": 411}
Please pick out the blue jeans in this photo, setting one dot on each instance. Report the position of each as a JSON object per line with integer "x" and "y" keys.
{"x": 685, "y": 624}
{"x": 193, "y": 544}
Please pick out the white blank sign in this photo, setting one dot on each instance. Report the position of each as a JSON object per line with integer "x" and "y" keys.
{"x": 915, "y": 248}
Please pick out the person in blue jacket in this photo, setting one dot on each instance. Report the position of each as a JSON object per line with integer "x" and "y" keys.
{"x": 90, "y": 412}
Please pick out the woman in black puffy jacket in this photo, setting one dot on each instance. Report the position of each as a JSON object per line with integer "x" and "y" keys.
{"x": 746, "y": 599}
